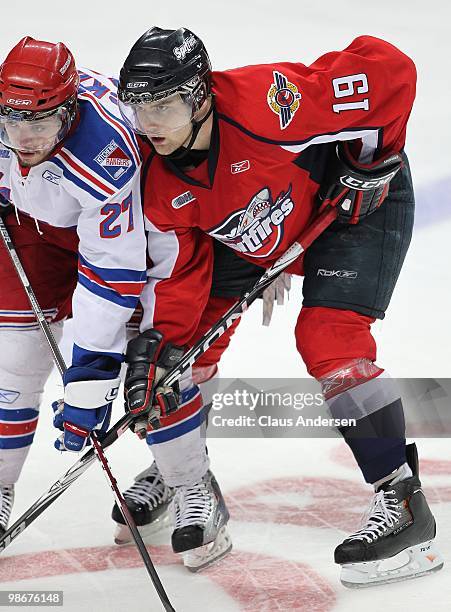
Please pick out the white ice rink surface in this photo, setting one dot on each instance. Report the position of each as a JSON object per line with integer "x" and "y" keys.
{"x": 292, "y": 501}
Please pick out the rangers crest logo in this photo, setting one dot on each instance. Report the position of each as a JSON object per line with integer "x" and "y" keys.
{"x": 283, "y": 99}
{"x": 257, "y": 229}
{"x": 113, "y": 160}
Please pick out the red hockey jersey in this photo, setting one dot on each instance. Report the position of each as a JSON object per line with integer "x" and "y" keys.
{"x": 273, "y": 132}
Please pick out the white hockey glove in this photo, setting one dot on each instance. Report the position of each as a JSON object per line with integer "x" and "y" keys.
{"x": 275, "y": 293}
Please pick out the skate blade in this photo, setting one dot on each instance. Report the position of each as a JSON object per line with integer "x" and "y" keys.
{"x": 198, "y": 559}
{"x": 122, "y": 535}
{"x": 410, "y": 563}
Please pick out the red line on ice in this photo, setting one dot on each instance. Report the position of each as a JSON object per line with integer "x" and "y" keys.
{"x": 258, "y": 583}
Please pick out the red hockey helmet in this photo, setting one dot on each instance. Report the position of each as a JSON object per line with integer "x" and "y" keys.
{"x": 37, "y": 76}
{"x": 38, "y": 80}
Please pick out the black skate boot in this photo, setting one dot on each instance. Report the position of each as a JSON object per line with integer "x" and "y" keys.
{"x": 396, "y": 540}
{"x": 200, "y": 521}
{"x": 6, "y": 506}
{"x": 148, "y": 500}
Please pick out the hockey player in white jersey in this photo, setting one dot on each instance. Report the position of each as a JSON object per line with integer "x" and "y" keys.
{"x": 71, "y": 170}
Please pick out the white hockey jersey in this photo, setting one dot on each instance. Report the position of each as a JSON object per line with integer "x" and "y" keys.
{"x": 92, "y": 183}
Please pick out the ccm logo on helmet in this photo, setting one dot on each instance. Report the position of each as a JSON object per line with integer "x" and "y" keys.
{"x": 18, "y": 102}
{"x": 137, "y": 85}
{"x": 182, "y": 51}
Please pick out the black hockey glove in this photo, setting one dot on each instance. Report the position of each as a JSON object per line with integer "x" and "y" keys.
{"x": 356, "y": 189}
{"x": 148, "y": 361}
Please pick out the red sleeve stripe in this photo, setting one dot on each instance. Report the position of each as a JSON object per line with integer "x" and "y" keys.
{"x": 81, "y": 171}
{"x": 185, "y": 411}
{"x": 133, "y": 288}
{"x": 18, "y": 428}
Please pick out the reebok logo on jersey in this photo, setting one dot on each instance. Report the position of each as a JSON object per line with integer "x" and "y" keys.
{"x": 8, "y": 397}
{"x": 51, "y": 177}
{"x": 183, "y": 199}
{"x": 241, "y": 166}
{"x": 113, "y": 160}
{"x": 257, "y": 229}
{"x": 283, "y": 99}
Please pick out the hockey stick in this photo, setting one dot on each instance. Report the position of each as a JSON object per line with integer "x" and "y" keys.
{"x": 305, "y": 240}
{"x": 59, "y": 362}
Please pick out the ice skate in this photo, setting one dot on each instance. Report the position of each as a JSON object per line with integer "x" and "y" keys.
{"x": 6, "y": 506}
{"x": 148, "y": 500}
{"x": 200, "y": 517}
{"x": 396, "y": 541}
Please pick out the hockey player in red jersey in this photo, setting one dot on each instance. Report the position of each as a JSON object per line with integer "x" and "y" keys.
{"x": 247, "y": 157}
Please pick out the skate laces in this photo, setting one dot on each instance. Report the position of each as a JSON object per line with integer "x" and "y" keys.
{"x": 6, "y": 503}
{"x": 382, "y": 514}
{"x": 193, "y": 505}
{"x": 150, "y": 490}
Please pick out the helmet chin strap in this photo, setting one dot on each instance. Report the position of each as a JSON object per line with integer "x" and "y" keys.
{"x": 185, "y": 149}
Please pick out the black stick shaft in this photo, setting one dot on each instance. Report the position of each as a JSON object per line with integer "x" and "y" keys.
{"x": 59, "y": 362}
{"x": 131, "y": 524}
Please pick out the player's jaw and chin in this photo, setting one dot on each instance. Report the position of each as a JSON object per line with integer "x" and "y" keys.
{"x": 165, "y": 144}
{"x": 33, "y": 154}
{"x": 29, "y": 160}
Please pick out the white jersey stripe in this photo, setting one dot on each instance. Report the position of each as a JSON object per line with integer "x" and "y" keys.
{"x": 371, "y": 134}
{"x": 73, "y": 168}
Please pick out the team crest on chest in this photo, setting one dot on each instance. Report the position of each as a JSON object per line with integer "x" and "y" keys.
{"x": 113, "y": 160}
{"x": 257, "y": 229}
{"x": 283, "y": 99}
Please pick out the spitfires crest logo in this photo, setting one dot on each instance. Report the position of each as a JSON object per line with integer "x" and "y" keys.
{"x": 113, "y": 160}
{"x": 257, "y": 229}
{"x": 283, "y": 99}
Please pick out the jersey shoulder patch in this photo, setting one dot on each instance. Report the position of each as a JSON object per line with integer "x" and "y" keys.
{"x": 272, "y": 91}
{"x": 102, "y": 154}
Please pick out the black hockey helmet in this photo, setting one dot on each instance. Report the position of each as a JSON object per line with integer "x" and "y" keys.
{"x": 162, "y": 63}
